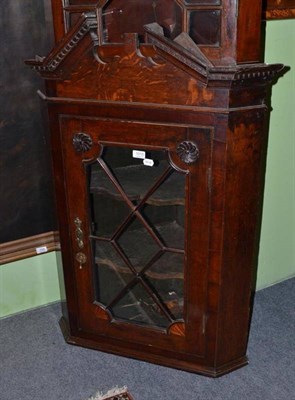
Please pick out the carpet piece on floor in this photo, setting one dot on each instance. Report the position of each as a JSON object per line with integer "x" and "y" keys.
{"x": 113, "y": 394}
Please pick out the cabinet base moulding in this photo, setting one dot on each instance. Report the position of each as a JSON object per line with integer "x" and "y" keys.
{"x": 109, "y": 346}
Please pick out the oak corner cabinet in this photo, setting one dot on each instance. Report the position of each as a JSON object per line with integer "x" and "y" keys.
{"x": 158, "y": 113}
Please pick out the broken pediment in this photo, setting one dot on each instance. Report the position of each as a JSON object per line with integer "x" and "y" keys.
{"x": 156, "y": 69}
{"x": 85, "y": 35}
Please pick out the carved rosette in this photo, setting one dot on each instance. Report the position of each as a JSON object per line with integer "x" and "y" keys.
{"x": 82, "y": 142}
{"x": 188, "y": 152}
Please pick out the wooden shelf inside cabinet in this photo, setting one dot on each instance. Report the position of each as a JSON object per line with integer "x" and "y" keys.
{"x": 132, "y": 180}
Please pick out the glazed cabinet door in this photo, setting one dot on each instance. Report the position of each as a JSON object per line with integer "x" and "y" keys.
{"x": 138, "y": 209}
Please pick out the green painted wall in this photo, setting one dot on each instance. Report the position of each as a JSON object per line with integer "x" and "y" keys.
{"x": 28, "y": 284}
{"x": 277, "y": 245}
{"x": 34, "y": 282}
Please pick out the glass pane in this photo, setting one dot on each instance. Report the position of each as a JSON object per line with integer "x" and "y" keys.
{"x": 138, "y": 245}
{"x": 108, "y": 209}
{"x": 134, "y": 177}
{"x": 167, "y": 225}
{"x": 204, "y": 27}
{"x": 107, "y": 215}
{"x": 170, "y": 192}
{"x": 137, "y": 203}
{"x": 138, "y": 307}
{"x": 166, "y": 278}
{"x": 111, "y": 274}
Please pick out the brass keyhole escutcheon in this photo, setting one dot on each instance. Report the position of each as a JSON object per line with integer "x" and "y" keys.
{"x": 81, "y": 258}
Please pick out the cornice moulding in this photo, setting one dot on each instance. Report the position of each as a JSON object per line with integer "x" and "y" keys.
{"x": 182, "y": 52}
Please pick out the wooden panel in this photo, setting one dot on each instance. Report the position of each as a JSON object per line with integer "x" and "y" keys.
{"x": 24, "y": 248}
{"x": 248, "y": 31}
{"x": 122, "y": 80}
{"x": 58, "y": 19}
{"x": 26, "y": 194}
{"x": 246, "y": 146}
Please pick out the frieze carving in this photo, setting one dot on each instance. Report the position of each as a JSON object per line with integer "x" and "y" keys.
{"x": 64, "y": 52}
{"x": 263, "y": 73}
{"x": 82, "y": 142}
{"x": 69, "y": 47}
{"x": 188, "y": 152}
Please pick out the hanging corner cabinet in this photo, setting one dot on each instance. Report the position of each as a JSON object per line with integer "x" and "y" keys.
{"x": 158, "y": 114}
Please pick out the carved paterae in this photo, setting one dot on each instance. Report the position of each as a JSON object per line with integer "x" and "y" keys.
{"x": 69, "y": 47}
{"x": 82, "y": 142}
{"x": 188, "y": 152}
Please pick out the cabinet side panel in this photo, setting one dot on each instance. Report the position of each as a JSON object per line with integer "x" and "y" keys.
{"x": 246, "y": 149}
